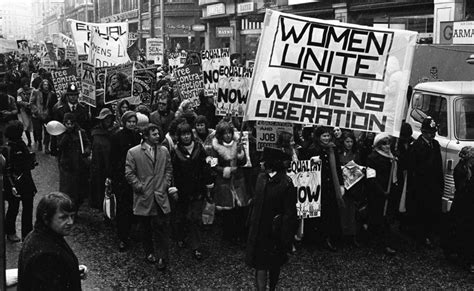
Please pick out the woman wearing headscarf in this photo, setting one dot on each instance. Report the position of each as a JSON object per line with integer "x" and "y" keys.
{"x": 272, "y": 220}
{"x": 192, "y": 178}
{"x": 332, "y": 184}
{"x": 100, "y": 161}
{"x": 230, "y": 189}
{"x": 74, "y": 148}
{"x": 123, "y": 140}
{"x": 381, "y": 190}
{"x": 462, "y": 207}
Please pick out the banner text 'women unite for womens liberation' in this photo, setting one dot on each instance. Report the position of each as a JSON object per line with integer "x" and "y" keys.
{"x": 311, "y": 71}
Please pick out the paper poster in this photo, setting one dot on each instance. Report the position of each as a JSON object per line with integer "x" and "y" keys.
{"x": 143, "y": 83}
{"x": 211, "y": 61}
{"x": 118, "y": 84}
{"x": 351, "y": 173}
{"x": 306, "y": 177}
{"x": 88, "y": 84}
{"x": 189, "y": 81}
{"x": 233, "y": 90}
{"x": 312, "y": 71}
{"x": 268, "y": 131}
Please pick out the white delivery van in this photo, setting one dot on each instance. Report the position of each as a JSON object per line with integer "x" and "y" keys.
{"x": 451, "y": 104}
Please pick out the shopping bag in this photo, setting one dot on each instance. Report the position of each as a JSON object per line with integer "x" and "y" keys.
{"x": 208, "y": 213}
{"x": 109, "y": 206}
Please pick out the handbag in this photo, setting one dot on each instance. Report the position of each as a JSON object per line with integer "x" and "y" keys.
{"x": 208, "y": 213}
{"x": 109, "y": 206}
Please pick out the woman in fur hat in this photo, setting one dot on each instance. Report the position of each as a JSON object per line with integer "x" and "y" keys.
{"x": 381, "y": 189}
{"x": 230, "y": 194}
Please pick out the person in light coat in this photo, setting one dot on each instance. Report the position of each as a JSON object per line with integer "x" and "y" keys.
{"x": 149, "y": 171}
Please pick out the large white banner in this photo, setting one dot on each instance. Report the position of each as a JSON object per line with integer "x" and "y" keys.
{"x": 311, "y": 71}
{"x": 306, "y": 177}
{"x": 82, "y": 33}
{"x": 107, "y": 52}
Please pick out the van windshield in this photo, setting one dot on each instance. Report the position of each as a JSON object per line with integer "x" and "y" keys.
{"x": 464, "y": 115}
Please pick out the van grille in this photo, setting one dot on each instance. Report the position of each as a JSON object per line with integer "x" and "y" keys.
{"x": 449, "y": 186}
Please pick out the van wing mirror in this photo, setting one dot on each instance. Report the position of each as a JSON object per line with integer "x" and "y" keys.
{"x": 418, "y": 115}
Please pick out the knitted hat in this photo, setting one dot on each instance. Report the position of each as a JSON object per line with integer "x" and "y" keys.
{"x": 127, "y": 115}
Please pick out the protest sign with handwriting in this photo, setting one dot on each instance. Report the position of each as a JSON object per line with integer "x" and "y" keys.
{"x": 312, "y": 71}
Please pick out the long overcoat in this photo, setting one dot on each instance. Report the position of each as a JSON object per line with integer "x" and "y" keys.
{"x": 150, "y": 178}
{"x": 425, "y": 177}
{"x": 269, "y": 237}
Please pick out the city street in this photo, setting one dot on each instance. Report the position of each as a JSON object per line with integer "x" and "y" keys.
{"x": 94, "y": 242}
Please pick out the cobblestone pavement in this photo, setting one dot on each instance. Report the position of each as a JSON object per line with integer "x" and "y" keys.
{"x": 94, "y": 242}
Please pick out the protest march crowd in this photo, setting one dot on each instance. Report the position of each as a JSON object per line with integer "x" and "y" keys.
{"x": 170, "y": 159}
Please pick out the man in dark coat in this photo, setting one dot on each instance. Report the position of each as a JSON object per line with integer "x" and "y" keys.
{"x": 46, "y": 262}
{"x": 272, "y": 220}
{"x": 426, "y": 181}
{"x": 73, "y": 106}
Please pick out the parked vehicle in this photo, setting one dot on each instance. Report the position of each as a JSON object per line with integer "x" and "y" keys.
{"x": 451, "y": 104}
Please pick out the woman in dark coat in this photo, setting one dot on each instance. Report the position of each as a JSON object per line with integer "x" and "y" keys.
{"x": 381, "y": 189}
{"x": 192, "y": 178}
{"x": 272, "y": 220}
{"x": 73, "y": 173}
{"x": 100, "y": 162}
{"x": 123, "y": 140}
{"x": 332, "y": 184}
{"x": 19, "y": 184}
{"x": 462, "y": 207}
{"x": 354, "y": 195}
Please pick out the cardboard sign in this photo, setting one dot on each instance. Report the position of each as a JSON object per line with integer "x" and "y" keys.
{"x": 118, "y": 83}
{"x": 233, "y": 90}
{"x": 306, "y": 177}
{"x": 106, "y": 52}
{"x": 143, "y": 83}
{"x": 154, "y": 49}
{"x": 312, "y": 71}
{"x": 189, "y": 81}
{"x": 268, "y": 131}
{"x": 23, "y": 47}
{"x": 62, "y": 77}
{"x": 88, "y": 84}
{"x": 176, "y": 60}
{"x": 211, "y": 61}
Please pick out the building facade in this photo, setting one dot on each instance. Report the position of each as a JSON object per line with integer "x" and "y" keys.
{"x": 237, "y": 24}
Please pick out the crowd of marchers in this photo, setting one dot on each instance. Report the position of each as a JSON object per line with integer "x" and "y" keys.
{"x": 166, "y": 160}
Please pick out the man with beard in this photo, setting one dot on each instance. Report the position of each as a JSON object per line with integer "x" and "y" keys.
{"x": 163, "y": 115}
